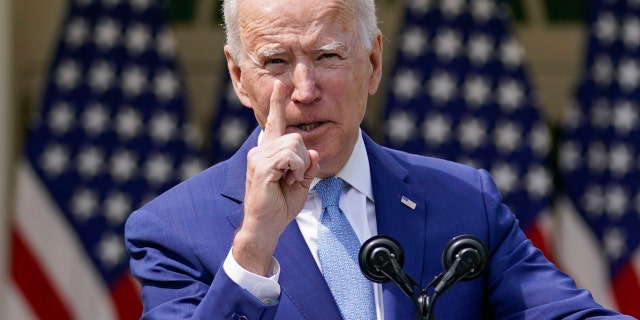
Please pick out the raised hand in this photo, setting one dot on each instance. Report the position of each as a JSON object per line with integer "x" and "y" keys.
{"x": 279, "y": 174}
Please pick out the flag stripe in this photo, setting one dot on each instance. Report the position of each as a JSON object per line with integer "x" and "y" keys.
{"x": 626, "y": 289}
{"x": 33, "y": 282}
{"x": 43, "y": 227}
{"x": 123, "y": 292}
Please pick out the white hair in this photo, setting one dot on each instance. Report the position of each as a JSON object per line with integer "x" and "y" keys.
{"x": 365, "y": 14}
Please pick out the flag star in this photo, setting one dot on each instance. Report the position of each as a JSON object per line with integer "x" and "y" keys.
{"x": 510, "y": 94}
{"x": 84, "y": 204}
{"x": 602, "y": 70}
{"x": 419, "y": 7}
{"x": 620, "y": 159}
{"x": 505, "y": 176}
{"x": 67, "y": 75}
{"x": 232, "y": 132}
{"x": 190, "y": 167}
{"x": 631, "y": 32}
{"x": 77, "y": 32}
{"x": 614, "y": 243}
{"x": 447, "y": 44}
{"x": 452, "y": 8}
{"x": 90, "y": 160}
{"x": 406, "y": 84}
{"x": 95, "y": 119}
{"x": 601, "y": 114}
{"x": 138, "y": 38}
{"x": 570, "y": 156}
{"x": 597, "y": 157}
{"x": 192, "y": 136}
{"x": 134, "y": 80}
{"x": 593, "y": 200}
{"x": 628, "y": 74}
{"x": 476, "y": 90}
{"x": 158, "y": 169}
{"x": 508, "y": 136}
{"x": 54, "y": 159}
{"x": 401, "y": 127}
{"x": 482, "y": 10}
{"x": 123, "y": 165}
{"x": 625, "y": 117}
{"x": 166, "y": 44}
{"x": 166, "y": 85}
{"x": 111, "y": 250}
{"x": 140, "y": 5}
{"x": 472, "y": 133}
{"x": 511, "y": 53}
{"x": 61, "y": 118}
{"x": 540, "y": 139}
{"x": 414, "y": 42}
{"x": 617, "y": 202}
{"x": 436, "y": 129}
{"x": 128, "y": 123}
{"x": 442, "y": 87}
{"x": 107, "y": 33}
{"x": 538, "y": 182}
{"x": 162, "y": 127}
{"x": 101, "y": 76}
{"x": 606, "y": 28}
{"x": 480, "y": 48}
{"x": 573, "y": 117}
{"x": 117, "y": 207}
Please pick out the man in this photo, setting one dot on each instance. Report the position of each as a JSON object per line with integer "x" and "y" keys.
{"x": 246, "y": 239}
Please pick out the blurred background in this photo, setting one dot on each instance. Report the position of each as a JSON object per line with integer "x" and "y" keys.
{"x": 106, "y": 103}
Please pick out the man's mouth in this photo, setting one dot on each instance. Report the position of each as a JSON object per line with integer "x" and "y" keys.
{"x": 309, "y": 126}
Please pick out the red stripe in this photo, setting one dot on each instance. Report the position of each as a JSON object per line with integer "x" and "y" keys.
{"x": 539, "y": 240}
{"x": 30, "y": 278}
{"x": 626, "y": 289}
{"x": 125, "y": 293}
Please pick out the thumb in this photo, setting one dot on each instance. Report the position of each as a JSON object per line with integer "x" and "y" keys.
{"x": 313, "y": 169}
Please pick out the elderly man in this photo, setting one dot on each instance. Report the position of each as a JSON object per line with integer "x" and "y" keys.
{"x": 273, "y": 232}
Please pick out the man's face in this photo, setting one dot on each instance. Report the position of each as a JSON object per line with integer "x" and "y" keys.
{"x": 314, "y": 48}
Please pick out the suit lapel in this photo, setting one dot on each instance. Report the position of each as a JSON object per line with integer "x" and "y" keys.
{"x": 301, "y": 279}
{"x": 398, "y": 220}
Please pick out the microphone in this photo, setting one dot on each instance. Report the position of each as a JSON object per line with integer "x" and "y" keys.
{"x": 464, "y": 258}
{"x": 381, "y": 259}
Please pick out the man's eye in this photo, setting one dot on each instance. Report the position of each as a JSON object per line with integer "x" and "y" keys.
{"x": 275, "y": 61}
{"x": 328, "y": 55}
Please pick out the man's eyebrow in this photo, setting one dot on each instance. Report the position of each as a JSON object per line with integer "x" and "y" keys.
{"x": 268, "y": 52}
{"x": 331, "y": 46}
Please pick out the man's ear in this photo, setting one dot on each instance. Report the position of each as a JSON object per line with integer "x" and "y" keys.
{"x": 236, "y": 78}
{"x": 375, "y": 58}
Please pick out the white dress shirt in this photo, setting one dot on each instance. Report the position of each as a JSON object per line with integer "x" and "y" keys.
{"x": 357, "y": 203}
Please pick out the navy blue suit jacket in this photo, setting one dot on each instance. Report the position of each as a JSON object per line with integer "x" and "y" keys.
{"x": 178, "y": 243}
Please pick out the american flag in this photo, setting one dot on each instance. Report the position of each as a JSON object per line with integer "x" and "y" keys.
{"x": 599, "y": 156}
{"x": 110, "y": 134}
{"x": 232, "y": 123}
{"x": 459, "y": 91}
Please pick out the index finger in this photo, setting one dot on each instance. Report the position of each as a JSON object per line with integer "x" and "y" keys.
{"x": 276, "y": 123}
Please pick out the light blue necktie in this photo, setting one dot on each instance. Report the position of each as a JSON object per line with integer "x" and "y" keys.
{"x": 338, "y": 248}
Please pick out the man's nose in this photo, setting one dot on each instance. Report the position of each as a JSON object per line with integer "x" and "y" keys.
{"x": 305, "y": 86}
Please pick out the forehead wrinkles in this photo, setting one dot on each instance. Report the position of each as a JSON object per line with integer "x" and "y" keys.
{"x": 310, "y": 23}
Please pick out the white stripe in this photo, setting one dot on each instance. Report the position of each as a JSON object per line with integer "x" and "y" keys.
{"x": 579, "y": 254}
{"x": 54, "y": 242}
{"x": 16, "y": 308}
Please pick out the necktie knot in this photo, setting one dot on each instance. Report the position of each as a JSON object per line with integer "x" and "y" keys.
{"x": 329, "y": 191}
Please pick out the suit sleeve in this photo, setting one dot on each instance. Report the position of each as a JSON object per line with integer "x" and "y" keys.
{"x": 522, "y": 283}
{"x": 175, "y": 283}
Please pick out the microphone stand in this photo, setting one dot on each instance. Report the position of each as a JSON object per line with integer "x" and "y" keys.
{"x": 421, "y": 299}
